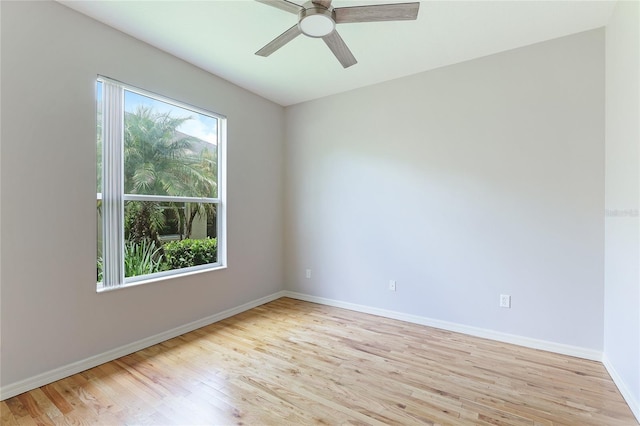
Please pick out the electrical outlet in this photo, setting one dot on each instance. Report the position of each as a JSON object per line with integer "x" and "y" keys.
{"x": 392, "y": 285}
{"x": 307, "y": 273}
{"x": 505, "y": 301}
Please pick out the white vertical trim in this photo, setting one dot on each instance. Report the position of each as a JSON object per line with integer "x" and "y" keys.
{"x": 112, "y": 183}
{"x": 221, "y": 209}
{"x": 634, "y": 404}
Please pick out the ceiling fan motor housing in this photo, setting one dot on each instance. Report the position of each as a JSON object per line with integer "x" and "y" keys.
{"x": 316, "y": 22}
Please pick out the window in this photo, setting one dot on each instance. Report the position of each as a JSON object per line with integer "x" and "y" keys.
{"x": 160, "y": 204}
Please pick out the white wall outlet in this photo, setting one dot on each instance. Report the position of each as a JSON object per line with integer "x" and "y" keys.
{"x": 307, "y": 273}
{"x": 392, "y": 285}
{"x": 505, "y": 301}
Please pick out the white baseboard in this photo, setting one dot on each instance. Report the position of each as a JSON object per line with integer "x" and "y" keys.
{"x": 622, "y": 387}
{"x": 560, "y": 348}
{"x": 85, "y": 364}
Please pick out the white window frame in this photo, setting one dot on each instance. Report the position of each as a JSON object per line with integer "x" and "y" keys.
{"x": 113, "y": 196}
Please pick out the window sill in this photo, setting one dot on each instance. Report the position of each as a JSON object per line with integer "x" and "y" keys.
{"x": 101, "y": 289}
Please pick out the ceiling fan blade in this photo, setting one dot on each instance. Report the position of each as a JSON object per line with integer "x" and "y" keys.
{"x": 285, "y": 5}
{"x": 280, "y": 41}
{"x": 340, "y": 49}
{"x": 378, "y": 12}
{"x": 324, "y": 3}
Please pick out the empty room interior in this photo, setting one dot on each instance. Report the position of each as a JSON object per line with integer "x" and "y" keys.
{"x": 425, "y": 213}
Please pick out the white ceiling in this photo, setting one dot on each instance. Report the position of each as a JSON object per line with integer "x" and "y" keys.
{"x": 222, "y": 37}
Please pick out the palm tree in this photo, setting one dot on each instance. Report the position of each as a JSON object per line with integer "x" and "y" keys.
{"x": 159, "y": 160}
{"x": 208, "y": 164}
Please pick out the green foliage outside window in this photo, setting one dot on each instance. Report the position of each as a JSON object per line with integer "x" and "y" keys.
{"x": 186, "y": 253}
{"x": 144, "y": 257}
{"x": 160, "y": 160}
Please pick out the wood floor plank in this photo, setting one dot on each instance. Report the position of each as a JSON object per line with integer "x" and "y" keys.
{"x": 6, "y": 416}
{"x": 290, "y": 362}
{"x": 54, "y": 396}
{"x": 47, "y": 407}
{"x": 16, "y": 407}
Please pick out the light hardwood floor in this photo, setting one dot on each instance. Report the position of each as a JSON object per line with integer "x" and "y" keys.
{"x": 295, "y": 363}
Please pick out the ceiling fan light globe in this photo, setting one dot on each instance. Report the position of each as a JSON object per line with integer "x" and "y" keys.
{"x": 316, "y": 23}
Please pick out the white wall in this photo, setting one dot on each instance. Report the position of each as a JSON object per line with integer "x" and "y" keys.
{"x": 51, "y": 313}
{"x": 622, "y": 201}
{"x": 460, "y": 183}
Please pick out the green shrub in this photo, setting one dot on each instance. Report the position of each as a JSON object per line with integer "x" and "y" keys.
{"x": 141, "y": 258}
{"x": 188, "y": 252}
{"x": 100, "y": 267}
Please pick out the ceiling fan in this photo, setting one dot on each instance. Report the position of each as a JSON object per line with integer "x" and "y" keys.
{"x": 318, "y": 19}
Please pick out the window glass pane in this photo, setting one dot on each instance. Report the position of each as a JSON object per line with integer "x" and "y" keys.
{"x": 99, "y": 136}
{"x": 163, "y": 236}
{"x": 99, "y": 258}
{"x": 168, "y": 150}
